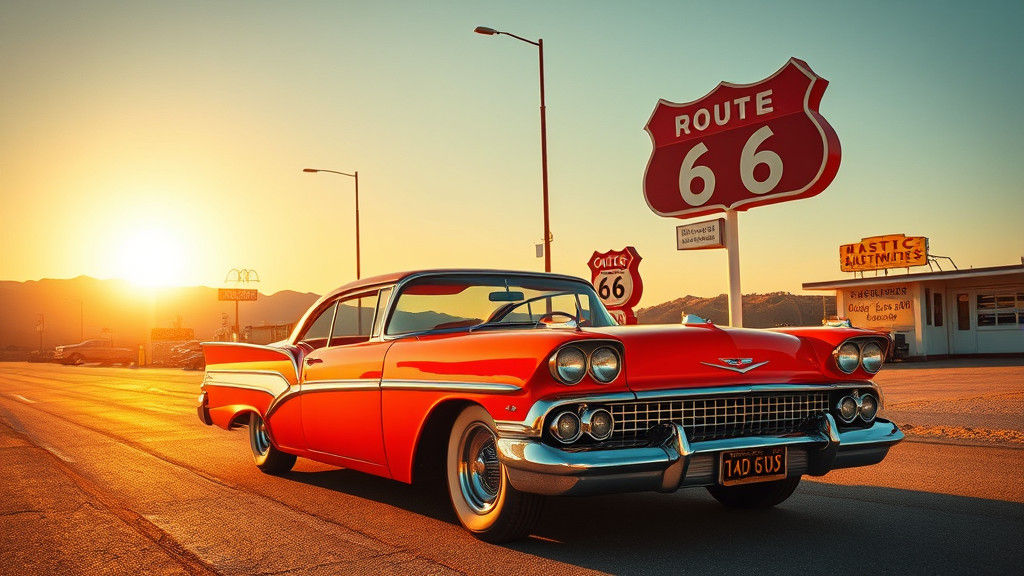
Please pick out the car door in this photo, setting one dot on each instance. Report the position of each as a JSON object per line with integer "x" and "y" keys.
{"x": 340, "y": 387}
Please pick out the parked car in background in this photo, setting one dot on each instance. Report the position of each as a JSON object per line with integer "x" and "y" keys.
{"x": 513, "y": 386}
{"x": 100, "y": 351}
{"x": 188, "y": 356}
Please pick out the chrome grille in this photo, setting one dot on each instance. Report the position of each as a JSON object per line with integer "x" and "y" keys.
{"x": 716, "y": 417}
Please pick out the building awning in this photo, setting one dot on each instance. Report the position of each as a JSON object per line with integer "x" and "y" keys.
{"x": 919, "y": 277}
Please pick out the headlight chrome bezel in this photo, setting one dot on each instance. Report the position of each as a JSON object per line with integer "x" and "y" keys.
{"x": 556, "y": 372}
{"x": 864, "y": 358}
{"x": 860, "y": 410}
{"x": 594, "y": 369}
{"x": 555, "y": 430}
{"x": 844, "y": 350}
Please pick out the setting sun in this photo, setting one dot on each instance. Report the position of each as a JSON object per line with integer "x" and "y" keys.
{"x": 151, "y": 257}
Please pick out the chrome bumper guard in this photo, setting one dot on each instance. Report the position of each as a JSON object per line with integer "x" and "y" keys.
{"x": 538, "y": 468}
{"x": 203, "y": 409}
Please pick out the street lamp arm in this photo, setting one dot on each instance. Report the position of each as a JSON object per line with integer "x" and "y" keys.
{"x": 315, "y": 170}
{"x": 519, "y": 38}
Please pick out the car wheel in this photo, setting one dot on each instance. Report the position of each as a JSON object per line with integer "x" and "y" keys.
{"x": 760, "y": 495}
{"x": 268, "y": 458}
{"x": 76, "y": 360}
{"x": 484, "y": 501}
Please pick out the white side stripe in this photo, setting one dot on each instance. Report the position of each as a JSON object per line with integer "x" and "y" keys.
{"x": 272, "y": 383}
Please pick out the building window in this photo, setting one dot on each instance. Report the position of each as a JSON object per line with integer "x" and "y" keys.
{"x": 963, "y": 312}
{"x": 1000, "y": 309}
{"x": 938, "y": 308}
{"x": 928, "y": 306}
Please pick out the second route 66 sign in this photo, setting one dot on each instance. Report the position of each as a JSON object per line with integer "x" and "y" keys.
{"x": 616, "y": 277}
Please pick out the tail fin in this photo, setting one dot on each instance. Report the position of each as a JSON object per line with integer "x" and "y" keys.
{"x": 251, "y": 357}
{"x": 242, "y": 378}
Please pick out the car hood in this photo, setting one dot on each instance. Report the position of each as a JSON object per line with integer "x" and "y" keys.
{"x": 690, "y": 356}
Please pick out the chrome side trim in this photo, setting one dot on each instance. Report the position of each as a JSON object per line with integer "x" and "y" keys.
{"x": 448, "y": 386}
{"x": 344, "y": 385}
{"x": 268, "y": 381}
{"x": 512, "y": 429}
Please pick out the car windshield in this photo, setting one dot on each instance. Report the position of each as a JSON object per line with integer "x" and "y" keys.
{"x": 462, "y": 302}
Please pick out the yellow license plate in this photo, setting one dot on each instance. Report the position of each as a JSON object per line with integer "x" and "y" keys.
{"x": 752, "y": 465}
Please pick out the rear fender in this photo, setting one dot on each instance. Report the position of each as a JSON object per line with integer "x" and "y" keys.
{"x": 242, "y": 378}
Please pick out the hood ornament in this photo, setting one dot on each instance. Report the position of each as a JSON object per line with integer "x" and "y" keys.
{"x": 741, "y": 365}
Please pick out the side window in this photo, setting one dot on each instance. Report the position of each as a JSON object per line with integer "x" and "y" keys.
{"x": 354, "y": 319}
{"x": 319, "y": 329}
{"x": 937, "y": 307}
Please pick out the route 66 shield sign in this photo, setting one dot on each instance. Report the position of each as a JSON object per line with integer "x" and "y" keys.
{"x": 741, "y": 145}
{"x": 616, "y": 277}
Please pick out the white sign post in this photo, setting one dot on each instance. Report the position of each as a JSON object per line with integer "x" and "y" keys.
{"x": 732, "y": 246}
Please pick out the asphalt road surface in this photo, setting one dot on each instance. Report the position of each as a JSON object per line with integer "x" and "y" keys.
{"x": 108, "y": 471}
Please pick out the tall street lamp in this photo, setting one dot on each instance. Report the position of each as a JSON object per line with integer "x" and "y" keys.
{"x": 543, "y": 135}
{"x": 354, "y": 175}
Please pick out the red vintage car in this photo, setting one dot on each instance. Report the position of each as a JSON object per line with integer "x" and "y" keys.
{"x": 512, "y": 386}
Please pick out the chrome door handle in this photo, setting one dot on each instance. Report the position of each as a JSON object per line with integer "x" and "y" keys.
{"x": 311, "y": 361}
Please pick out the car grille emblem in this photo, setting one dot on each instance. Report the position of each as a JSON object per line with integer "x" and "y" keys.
{"x": 741, "y": 365}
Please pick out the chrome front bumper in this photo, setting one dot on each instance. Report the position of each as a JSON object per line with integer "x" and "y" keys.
{"x": 538, "y": 468}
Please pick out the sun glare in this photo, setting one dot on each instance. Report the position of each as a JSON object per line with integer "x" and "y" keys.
{"x": 151, "y": 257}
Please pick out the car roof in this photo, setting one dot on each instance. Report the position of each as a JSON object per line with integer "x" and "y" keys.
{"x": 395, "y": 277}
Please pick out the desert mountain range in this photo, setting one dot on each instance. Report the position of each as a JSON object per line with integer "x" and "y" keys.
{"x": 89, "y": 307}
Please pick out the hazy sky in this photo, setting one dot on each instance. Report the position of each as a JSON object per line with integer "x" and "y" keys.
{"x": 177, "y": 132}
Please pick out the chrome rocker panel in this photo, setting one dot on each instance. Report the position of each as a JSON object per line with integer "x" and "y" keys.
{"x": 538, "y": 468}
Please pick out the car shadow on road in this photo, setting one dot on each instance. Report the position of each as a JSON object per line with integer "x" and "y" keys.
{"x": 822, "y": 528}
{"x": 425, "y": 498}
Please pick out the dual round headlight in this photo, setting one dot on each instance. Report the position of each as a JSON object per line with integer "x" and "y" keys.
{"x": 850, "y": 355}
{"x": 570, "y": 364}
{"x": 850, "y": 407}
{"x": 567, "y": 427}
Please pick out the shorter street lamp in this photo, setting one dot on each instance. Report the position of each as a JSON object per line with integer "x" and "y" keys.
{"x": 354, "y": 175}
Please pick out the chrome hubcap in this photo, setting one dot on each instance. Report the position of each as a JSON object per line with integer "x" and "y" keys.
{"x": 258, "y": 437}
{"x": 479, "y": 468}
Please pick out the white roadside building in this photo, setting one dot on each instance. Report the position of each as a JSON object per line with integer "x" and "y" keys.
{"x": 938, "y": 314}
